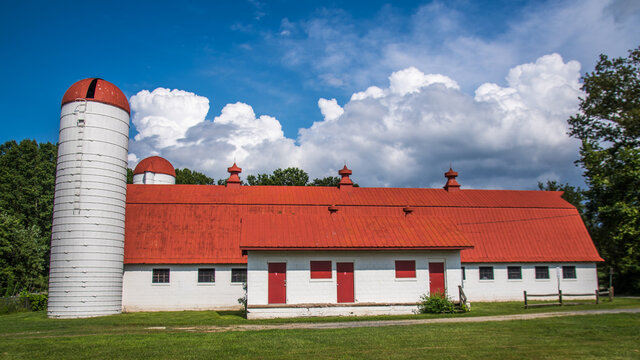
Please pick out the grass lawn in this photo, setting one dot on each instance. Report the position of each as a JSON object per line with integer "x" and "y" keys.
{"x": 32, "y": 335}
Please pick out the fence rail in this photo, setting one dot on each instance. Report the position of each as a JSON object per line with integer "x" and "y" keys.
{"x": 596, "y": 294}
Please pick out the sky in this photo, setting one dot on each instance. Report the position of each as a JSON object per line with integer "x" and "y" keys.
{"x": 398, "y": 91}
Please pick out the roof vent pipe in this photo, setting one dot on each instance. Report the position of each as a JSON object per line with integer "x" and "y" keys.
{"x": 407, "y": 210}
{"x": 333, "y": 209}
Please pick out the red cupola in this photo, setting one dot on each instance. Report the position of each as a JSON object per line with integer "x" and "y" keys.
{"x": 345, "y": 182}
{"x": 234, "y": 179}
{"x": 451, "y": 185}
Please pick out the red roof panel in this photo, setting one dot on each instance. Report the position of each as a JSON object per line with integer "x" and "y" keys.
{"x": 204, "y": 224}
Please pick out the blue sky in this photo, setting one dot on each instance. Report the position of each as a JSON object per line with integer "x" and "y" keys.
{"x": 286, "y": 72}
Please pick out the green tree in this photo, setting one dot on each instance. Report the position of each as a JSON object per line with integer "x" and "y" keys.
{"x": 27, "y": 182}
{"x": 129, "y": 176}
{"x": 291, "y": 176}
{"x": 573, "y": 195}
{"x": 186, "y": 176}
{"x": 23, "y": 254}
{"x": 608, "y": 125}
{"x": 326, "y": 181}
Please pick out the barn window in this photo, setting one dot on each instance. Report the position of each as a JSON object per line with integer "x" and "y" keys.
{"x": 514, "y": 272}
{"x": 568, "y": 272}
{"x": 405, "y": 269}
{"x": 238, "y": 275}
{"x": 160, "y": 276}
{"x": 206, "y": 275}
{"x": 542, "y": 272}
{"x": 486, "y": 272}
{"x": 320, "y": 269}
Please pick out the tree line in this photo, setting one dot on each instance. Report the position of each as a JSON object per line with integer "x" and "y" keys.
{"x": 607, "y": 124}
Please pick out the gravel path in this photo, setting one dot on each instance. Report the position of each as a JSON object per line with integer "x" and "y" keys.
{"x": 358, "y": 324}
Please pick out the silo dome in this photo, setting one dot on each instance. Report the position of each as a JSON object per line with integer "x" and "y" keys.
{"x": 154, "y": 170}
{"x": 95, "y": 89}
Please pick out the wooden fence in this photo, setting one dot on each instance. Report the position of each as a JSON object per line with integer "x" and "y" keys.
{"x": 597, "y": 294}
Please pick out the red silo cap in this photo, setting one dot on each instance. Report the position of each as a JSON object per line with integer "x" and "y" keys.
{"x": 94, "y": 89}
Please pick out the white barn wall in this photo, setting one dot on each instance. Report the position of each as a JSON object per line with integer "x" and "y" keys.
{"x": 374, "y": 277}
{"x": 183, "y": 292}
{"x": 503, "y": 289}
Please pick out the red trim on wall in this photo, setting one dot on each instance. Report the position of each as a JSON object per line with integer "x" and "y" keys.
{"x": 405, "y": 269}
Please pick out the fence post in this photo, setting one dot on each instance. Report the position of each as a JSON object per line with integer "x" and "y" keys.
{"x": 525, "y": 299}
{"x": 597, "y": 296}
{"x": 560, "y": 296}
{"x": 611, "y": 293}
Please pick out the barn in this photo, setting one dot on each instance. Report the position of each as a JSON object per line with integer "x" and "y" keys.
{"x": 289, "y": 251}
{"x": 320, "y": 251}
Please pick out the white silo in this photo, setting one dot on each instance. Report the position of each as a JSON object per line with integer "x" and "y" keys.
{"x": 154, "y": 170}
{"x": 87, "y": 236}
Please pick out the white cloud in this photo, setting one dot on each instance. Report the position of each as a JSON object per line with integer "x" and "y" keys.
{"x": 330, "y": 109}
{"x": 406, "y": 134}
{"x": 163, "y": 116}
{"x": 411, "y": 80}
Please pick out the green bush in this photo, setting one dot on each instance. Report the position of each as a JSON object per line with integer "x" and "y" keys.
{"x": 37, "y": 302}
{"x": 436, "y": 303}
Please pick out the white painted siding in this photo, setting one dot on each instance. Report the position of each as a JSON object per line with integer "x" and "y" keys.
{"x": 374, "y": 276}
{"x": 503, "y": 289}
{"x": 183, "y": 292}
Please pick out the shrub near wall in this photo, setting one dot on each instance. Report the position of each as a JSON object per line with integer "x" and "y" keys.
{"x": 435, "y": 304}
{"x": 37, "y": 302}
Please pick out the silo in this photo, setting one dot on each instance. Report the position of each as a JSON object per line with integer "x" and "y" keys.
{"x": 87, "y": 239}
{"x": 154, "y": 170}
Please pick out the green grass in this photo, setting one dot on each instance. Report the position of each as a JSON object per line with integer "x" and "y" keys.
{"x": 32, "y": 335}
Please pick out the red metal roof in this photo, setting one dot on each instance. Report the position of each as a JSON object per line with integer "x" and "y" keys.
{"x": 94, "y": 89}
{"x": 155, "y": 164}
{"x": 204, "y": 224}
{"x": 355, "y": 232}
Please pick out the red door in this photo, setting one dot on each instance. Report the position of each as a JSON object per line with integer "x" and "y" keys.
{"x": 277, "y": 283}
{"x": 345, "y": 282}
{"x": 436, "y": 278}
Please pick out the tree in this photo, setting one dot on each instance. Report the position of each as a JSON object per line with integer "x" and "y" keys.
{"x": 573, "y": 195}
{"x": 608, "y": 125}
{"x": 186, "y": 176}
{"x": 27, "y": 181}
{"x": 291, "y": 176}
{"x": 326, "y": 181}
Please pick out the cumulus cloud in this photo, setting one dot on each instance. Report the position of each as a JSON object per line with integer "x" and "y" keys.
{"x": 330, "y": 109}
{"x": 163, "y": 116}
{"x": 405, "y": 134}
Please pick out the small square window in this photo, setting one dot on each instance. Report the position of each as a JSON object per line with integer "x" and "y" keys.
{"x": 405, "y": 269}
{"x": 160, "y": 276}
{"x": 514, "y": 272}
{"x": 486, "y": 272}
{"x": 206, "y": 275}
{"x": 238, "y": 275}
{"x": 542, "y": 272}
{"x": 568, "y": 272}
{"x": 464, "y": 274}
{"x": 320, "y": 269}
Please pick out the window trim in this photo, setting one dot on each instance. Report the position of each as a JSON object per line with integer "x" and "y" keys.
{"x": 156, "y": 276}
{"x": 480, "y": 268}
{"x": 206, "y": 282}
{"x": 542, "y": 278}
{"x": 239, "y": 282}
{"x": 464, "y": 273}
{"x": 575, "y": 272}
{"x": 405, "y": 269}
{"x": 519, "y": 273}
